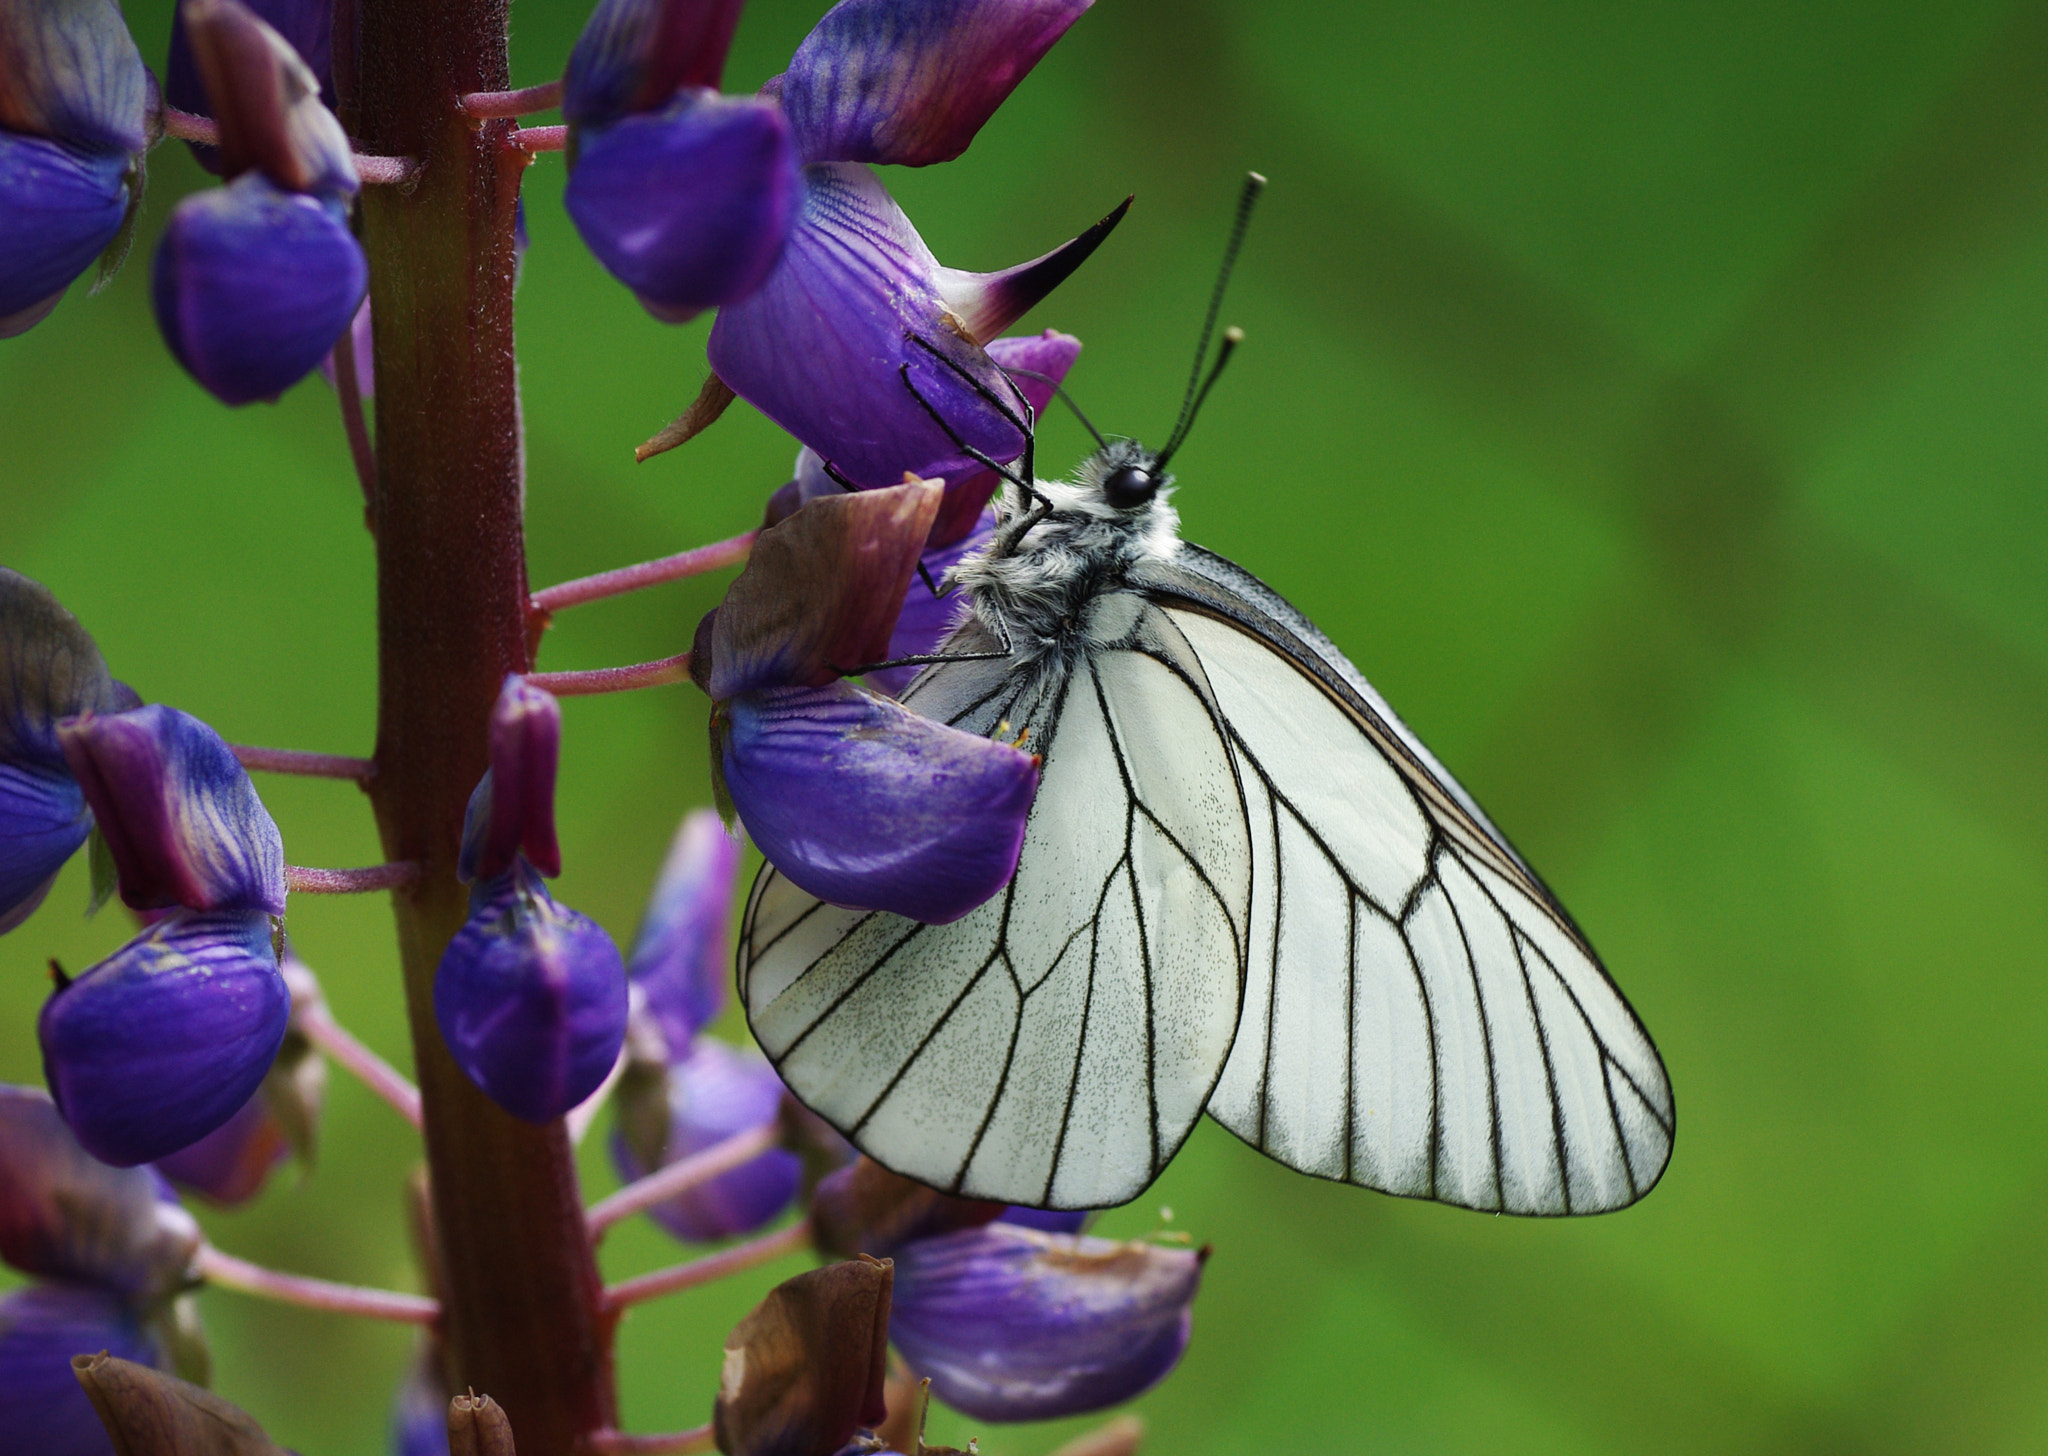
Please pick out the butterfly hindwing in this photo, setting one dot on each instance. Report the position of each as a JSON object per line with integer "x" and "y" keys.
{"x": 1056, "y": 1045}
{"x": 1420, "y": 1016}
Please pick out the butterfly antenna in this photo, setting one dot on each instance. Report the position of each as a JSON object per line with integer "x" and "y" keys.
{"x": 1198, "y": 389}
{"x": 1065, "y": 399}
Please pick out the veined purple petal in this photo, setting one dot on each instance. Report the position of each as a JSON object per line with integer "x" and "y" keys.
{"x": 634, "y": 55}
{"x": 682, "y": 956}
{"x": 231, "y": 1164}
{"x": 43, "y": 820}
{"x": 864, "y": 803}
{"x": 912, "y": 81}
{"x": 66, "y": 1215}
{"x": 267, "y": 102}
{"x": 531, "y": 998}
{"x": 820, "y": 348}
{"x": 927, "y": 619}
{"x": 689, "y": 206}
{"x": 162, "y": 1042}
{"x": 512, "y": 811}
{"x": 307, "y": 24}
{"x": 1012, "y": 1324}
{"x": 988, "y": 303}
{"x": 59, "y": 208}
{"x": 253, "y": 285}
{"x": 70, "y": 70}
{"x": 179, "y": 814}
{"x": 714, "y": 1091}
{"x": 820, "y": 592}
{"x": 42, "y": 1408}
{"x": 1047, "y": 1220}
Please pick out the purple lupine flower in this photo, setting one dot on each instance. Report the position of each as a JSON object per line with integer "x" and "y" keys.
{"x": 107, "y": 1247}
{"x": 255, "y": 281}
{"x": 50, "y": 670}
{"x": 1012, "y": 1324}
{"x": 306, "y": 25}
{"x": 162, "y": 1042}
{"x": 765, "y": 205}
{"x": 74, "y": 103}
{"x": 855, "y": 798}
{"x": 511, "y": 814}
{"x": 180, "y": 817}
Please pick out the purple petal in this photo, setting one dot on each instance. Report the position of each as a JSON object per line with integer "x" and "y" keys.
{"x": 266, "y": 101}
{"x": 308, "y": 25}
{"x": 1047, "y": 1220}
{"x": 531, "y": 998}
{"x": 1035, "y": 364}
{"x": 912, "y": 81}
{"x": 231, "y": 1164}
{"x": 634, "y": 55}
{"x": 66, "y": 1215}
{"x": 683, "y": 953}
{"x": 715, "y": 1091}
{"x": 927, "y": 618}
{"x": 864, "y": 803}
{"x": 1015, "y": 1325}
{"x": 162, "y": 1042}
{"x": 43, "y": 1410}
{"x": 69, "y": 70}
{"x": 512, "y": 811}
{"x": 43, "y": 820}
{"x": 690, "y": 206}
{"x": 988, "y": 303}
{"x": 419, "y": 1411}
{"x": 821, "y": 347}
{"x": 253, "y": 285}
{"x": 59, "y": 208}
{"x": 180, "y": 817}
{"x": 821, "y": 591}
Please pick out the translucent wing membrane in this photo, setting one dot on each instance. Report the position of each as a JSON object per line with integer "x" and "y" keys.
{"x": 1420, "y": 1015}
{"x": 1056, "y": 1046}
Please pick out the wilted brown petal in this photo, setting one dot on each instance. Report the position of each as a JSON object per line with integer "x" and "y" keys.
{"x": 147, "y": 1413}
{"x": 804, "y": 1371}
{"x": 866, "y": 1209}
{"x": 477, "y": 1427}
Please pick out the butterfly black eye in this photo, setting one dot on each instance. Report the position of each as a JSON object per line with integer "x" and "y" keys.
{"x": 1129, "y": 485}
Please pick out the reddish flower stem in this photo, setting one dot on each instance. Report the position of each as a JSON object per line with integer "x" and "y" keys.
{"x": 311, "y": 765}
{"x": 541, "y": 138}
{"x": 308, "y": 881}
{"x": 683, "y": 1175}
{"x": 320, "y": 1028}
{"x": 348, "y": 392}
{"x": 385, "y": 1304}
{"x": 522, "y": 102}
{"x": 694, "y": 562}
{"x": 710, "y": 1268}
{"x": 614, "y": 679}
{"x": 189, "y": 126}
{"x": 669, "y": 1443}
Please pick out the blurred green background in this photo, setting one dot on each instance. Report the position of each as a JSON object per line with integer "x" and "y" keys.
{"x": 1653, "y": 399}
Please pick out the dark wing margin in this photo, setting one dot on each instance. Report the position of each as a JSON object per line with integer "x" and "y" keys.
{"x": 1056, "y": 1046}
{"x": 1421, "y": 1015}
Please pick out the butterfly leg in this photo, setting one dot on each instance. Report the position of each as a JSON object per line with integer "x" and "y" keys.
{"x": 925, "y": 659}
{"x": 1025, "y": 424}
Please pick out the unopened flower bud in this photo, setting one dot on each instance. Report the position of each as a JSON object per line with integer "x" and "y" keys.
{"x": 805, "y": 1370}
{"x": 477, "y": 1426}
{"x": 42, "y": 1327}
{"x": 512, "y": 812}
{"x": 267, "y": 102}
{"x": 148, "y": 1413}
{"x": 178, "y": 812}
{"x": 866, "y": 1209}
{"x": 253, "y": 284}
{"x": 159, "y": 1044}
{"x": 307, "y": 25}
{"x": 49, "y": 670}
{"x": 1016, "y": 1325}
{"x": 531, "y": 998}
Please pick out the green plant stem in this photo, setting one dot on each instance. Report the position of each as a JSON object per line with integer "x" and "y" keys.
{"x": 521, "y": 1296}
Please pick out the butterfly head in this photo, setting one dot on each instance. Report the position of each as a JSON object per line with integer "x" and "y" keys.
{"x": 1124, "y": 476}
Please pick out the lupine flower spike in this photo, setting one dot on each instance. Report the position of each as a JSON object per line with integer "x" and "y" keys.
{"x": 530, "y": 996}
{"x": 683, "y": 1092}
{"x": 255, "y": 281}
{"x": 857, "y": 800}
{"x": 74, "y": 124}
{"x": 166, "y": 1039}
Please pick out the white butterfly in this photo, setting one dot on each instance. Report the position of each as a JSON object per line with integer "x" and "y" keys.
{"x": 1245, "y": 887}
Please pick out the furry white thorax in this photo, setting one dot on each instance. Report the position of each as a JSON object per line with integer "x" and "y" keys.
{"x": 1038, "y": 592}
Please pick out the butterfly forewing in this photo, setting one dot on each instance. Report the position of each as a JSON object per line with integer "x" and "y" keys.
{"x": 1420, "y": 1017}
{"x": 1056, "y": 1046}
